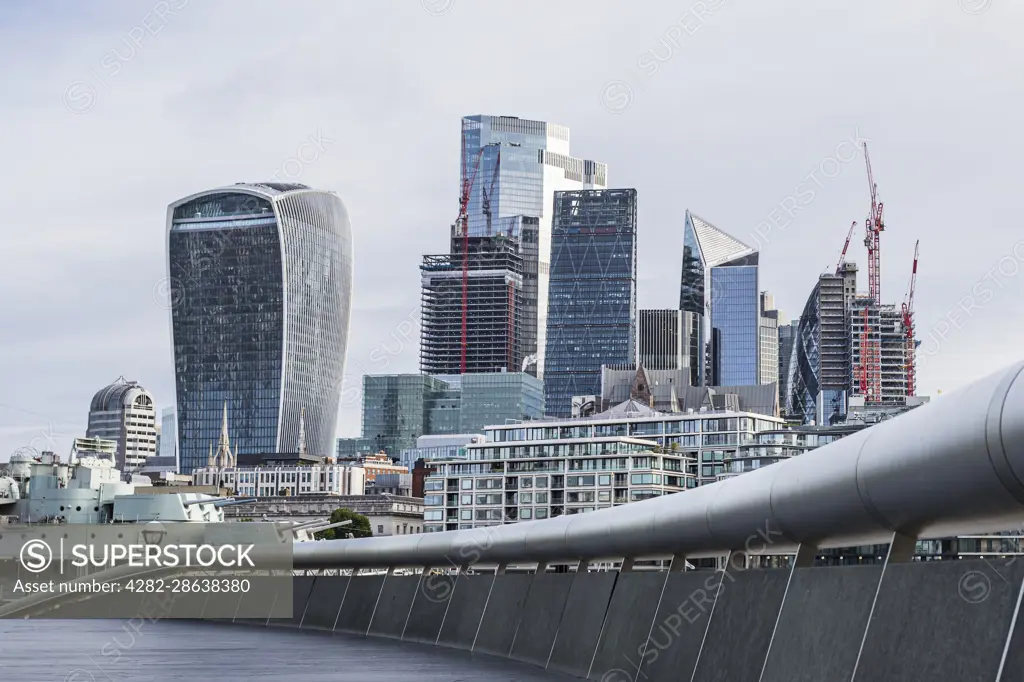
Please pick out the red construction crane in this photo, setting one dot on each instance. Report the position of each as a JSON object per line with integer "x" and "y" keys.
{"x": 871, "y": 370}
{"x": 469, "y": 171}
{"x": 872, "y": 228}
{"x": 842, "y": 256}
{"x": 908, "y": 324}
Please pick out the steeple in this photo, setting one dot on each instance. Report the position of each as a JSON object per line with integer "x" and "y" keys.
{"x": 640, "y": 390}
{"x": 300, "y": 447}
{"x": 224, "y": 456}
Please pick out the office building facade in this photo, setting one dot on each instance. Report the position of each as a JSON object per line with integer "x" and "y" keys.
{"x": 768, "y": 341}
{"x": 260, "y": 284}
{"x": 720, "y": 282}
{"x": 592, "y": 304}
{"x": 497, "y": 398}
{"x": 670, "y": 339}
{"x": 400, "y": 408}
{"x": 519, "y": 165}
{"x": 123, "y": 412}
{"x": 396, "y": 409}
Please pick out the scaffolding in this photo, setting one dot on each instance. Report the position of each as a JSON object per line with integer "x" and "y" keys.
{"x": 885, "y": 347}
{"x": 489, "y": 285}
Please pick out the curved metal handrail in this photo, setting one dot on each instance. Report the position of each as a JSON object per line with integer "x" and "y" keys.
{"x": 954, "y": 466}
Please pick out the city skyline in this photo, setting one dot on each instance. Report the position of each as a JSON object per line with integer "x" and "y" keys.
{"x": 760, "y": 157}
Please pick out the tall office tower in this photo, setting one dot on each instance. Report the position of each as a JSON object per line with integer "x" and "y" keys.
{"x": 123, "y": 412}
{"x": 820, "y": 368}
{"x": 669, "y": 339}
{"x": 720, "y": 282}
{"x": 261, "y": 287}
{"x": 592, "y": 299}
{"x": 768, "y": 342}
{"x": 521, "y": 164}
{"x": 500, "y": 316}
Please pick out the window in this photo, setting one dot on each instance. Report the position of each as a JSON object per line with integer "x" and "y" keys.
{"x": 380, "y": 529}
{"x": 466, "y": 514}
{"x": 604, "y": 479}
{"x": 542, "y": 513}
{"x": 467, "y": 484}
{"x": 525, "y": 514}
{"x": 428, "y": 515}
{"x": 542, "y": 498}
{"x": 604, "y": 496}
{"x": 542, "y": 482}
{"x": 467, "y": 498}
{"x": 433, "y": 500}
{"x": 525, "y": 498}
{"x": 526, "y": 482}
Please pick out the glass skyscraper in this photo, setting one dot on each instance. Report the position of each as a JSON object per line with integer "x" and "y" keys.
{"x": 521, "y": 164}
{"x": 592, "y": 301}
{"x": 720, "y": 281}
{"x": 260, "y": 284}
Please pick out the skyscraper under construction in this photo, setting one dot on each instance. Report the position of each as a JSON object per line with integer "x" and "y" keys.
{"x": 500, "y": 301}
{"x": 493, "y": 286}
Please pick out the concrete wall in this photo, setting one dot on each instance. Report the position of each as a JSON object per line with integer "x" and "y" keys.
{"x": 914, "y": 621}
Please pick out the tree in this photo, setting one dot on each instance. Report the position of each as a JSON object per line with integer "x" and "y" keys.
{"x": 360, "y": 526}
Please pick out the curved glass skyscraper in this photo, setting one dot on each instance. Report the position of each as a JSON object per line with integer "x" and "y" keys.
{"x": 260, "y": 284}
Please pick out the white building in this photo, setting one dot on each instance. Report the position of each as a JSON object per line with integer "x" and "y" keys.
{"x": 101, "y": 447}
{"x": 543, "y": 469}
{"x": 285, "y": 480}
{"x": 123, "y": 412}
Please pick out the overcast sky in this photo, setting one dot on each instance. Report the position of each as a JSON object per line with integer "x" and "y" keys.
{"x": 735, "y": 109}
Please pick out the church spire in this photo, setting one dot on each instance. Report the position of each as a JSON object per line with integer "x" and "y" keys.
{"x": 300, "y": 447}
{"x": 224, "y": 456}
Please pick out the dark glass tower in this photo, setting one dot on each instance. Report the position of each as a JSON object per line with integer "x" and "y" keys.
{"x": 260, "y": 280}
{"x": 592, "y": 299}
